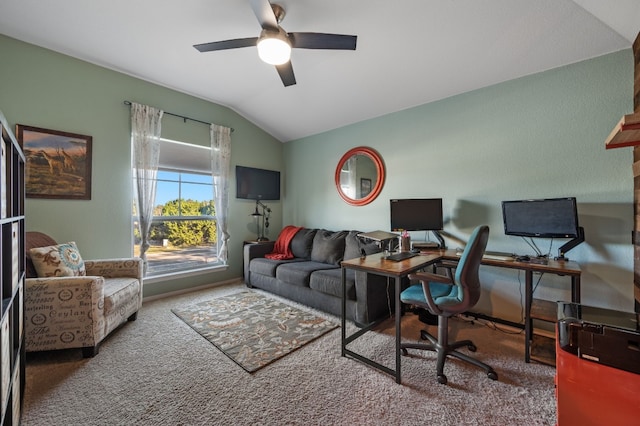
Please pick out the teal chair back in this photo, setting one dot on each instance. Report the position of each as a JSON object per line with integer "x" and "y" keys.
{"x": 466, "y": 277}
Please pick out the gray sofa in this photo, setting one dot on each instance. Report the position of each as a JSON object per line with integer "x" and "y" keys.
{"x": 314, "y": 277}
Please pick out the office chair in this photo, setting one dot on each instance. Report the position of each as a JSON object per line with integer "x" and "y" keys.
{"x": 446, "y": 296}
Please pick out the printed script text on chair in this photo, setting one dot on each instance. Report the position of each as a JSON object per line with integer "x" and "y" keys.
{"x": 68, "y": 312}
{"x": 446, "y": 296}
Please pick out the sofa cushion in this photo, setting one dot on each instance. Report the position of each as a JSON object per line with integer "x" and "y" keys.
{"x": 302, "y": 242}
{"x": 353, "y": 244}
{"x": 299, "y": 273}
{"x": 61, "y": 260}
{"x": 329, "y": 281}
{"x": 328, "y": 246}
{"x": 264, "y": 266}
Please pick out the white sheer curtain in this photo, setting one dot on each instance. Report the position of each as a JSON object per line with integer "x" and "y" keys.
{"x": 220, "y": 169}
{"x": 145, "y": 135}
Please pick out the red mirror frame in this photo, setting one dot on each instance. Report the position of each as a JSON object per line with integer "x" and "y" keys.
{"x": 377, "y": 188}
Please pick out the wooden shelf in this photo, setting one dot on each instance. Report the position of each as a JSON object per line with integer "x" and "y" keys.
{"x": 543, "y": 350}
{"x": 544, "y": 310}
{"x": 625, "y": 133}
{"x": 543, "y": 342}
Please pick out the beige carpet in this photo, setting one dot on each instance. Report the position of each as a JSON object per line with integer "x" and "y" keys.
{"x": 157, "y": 371}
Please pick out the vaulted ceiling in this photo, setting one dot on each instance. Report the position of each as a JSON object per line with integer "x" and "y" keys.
{"x": 409, "y": 52}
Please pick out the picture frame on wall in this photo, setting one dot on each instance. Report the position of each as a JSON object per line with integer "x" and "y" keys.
{"x": 58, "y": 164}
{"x": 365, "y": 187}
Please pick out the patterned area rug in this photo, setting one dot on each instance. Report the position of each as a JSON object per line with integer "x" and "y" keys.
{"x": 251, "y": 329}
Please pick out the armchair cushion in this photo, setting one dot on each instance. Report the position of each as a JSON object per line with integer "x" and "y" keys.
{"x": 62, "y": 260}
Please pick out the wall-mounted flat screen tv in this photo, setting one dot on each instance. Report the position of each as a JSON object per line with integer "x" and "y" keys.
{"x": 545, "y": 218}
{"x": 416, "y": 214}
{"x": 257, "y": 184}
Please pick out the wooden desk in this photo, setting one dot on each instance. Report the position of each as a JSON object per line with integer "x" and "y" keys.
{"x": 556, "y": 267}
{"x": 376, "y": 264}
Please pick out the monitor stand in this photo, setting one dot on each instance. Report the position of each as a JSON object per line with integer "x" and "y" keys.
{"x": 571, "y": 244}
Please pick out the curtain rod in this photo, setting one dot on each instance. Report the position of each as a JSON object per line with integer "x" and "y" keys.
{"x": 182, "y": 116}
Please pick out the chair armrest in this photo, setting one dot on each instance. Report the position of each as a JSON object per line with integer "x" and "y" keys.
{"x": 38, "y": 289}
{"x": 429, "y": 277}
{"x": 113, "y": 268}
{"x": 54, "y": 304}
{"x": 444, "y": 263}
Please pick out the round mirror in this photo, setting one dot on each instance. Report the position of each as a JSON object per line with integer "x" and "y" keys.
{"x": 360, "y": 176}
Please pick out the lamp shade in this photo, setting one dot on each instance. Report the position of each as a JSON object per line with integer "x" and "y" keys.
{"x": 274, "y": 47}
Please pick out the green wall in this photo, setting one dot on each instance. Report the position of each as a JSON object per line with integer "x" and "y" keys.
{"x": 540, "y": 136}
{"x": 42, "y": 88}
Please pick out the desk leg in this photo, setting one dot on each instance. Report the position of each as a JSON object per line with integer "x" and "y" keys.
{"x": 344, "y": 310}
{"x": 575, "y": 289}
{"x": 527, "y": 314}
{"x": 398, "y": 330}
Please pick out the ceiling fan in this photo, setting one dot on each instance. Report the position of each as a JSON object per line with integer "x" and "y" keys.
{"x": 274, "y": 44}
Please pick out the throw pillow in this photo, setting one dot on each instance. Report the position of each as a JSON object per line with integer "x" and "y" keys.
{"x": 328, "y": 247}
{"x": 302, "y": 242}
{"x": 62, "y": 260}
{"x": 353, "y": 245}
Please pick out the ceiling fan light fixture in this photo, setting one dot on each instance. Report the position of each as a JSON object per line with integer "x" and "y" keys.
{"x": 274, "y": 47}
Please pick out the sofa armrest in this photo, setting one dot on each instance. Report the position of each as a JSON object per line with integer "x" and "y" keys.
{"x": 252, "y": 251}
{"x": 115, "y": 268}
{"x": 58, "y": 305}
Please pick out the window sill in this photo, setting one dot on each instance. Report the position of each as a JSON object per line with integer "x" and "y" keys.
{"x": 184, "y": 274}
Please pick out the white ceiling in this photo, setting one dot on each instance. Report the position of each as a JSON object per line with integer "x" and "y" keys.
{"x": 409, "y": 52}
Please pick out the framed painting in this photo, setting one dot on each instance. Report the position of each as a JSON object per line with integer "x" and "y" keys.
{"x": 58, "y": 163}
{"x": 365, "y": 187}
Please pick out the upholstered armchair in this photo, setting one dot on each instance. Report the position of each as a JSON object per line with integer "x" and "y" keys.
{"x": 78, "y": 310}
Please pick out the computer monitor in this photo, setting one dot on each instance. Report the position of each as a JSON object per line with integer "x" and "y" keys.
{"x": 416, "y": 214}
{"x": 543, "y": 218}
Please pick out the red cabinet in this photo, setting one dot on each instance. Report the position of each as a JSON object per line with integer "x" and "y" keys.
{"x": 588, "y": 391}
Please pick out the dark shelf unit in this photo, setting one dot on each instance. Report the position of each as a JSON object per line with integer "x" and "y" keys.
{"x": 12, "y": 276}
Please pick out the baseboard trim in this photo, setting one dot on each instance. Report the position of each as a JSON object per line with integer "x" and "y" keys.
{"x": 191, "y": 289}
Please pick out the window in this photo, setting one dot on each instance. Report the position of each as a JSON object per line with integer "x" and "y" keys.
{"x": 183, "y": 233}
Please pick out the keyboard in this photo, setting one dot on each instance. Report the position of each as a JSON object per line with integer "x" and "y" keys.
{"x": 396, "y": 257}
{"x": 491, "y": 256}
{"x": 503, "y": 258}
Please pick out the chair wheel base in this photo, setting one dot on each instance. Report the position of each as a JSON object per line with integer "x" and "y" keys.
{"x": 472, "y": 348}
{"x": 442, "y": 379}
{"x": 492, "y": 375}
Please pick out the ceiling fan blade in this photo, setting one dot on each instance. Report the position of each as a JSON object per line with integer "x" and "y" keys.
{"x": 227, "y": 44}
{"x": 263, "y": 11}
{"x": 286, "y": 74}
{"x": 323, "y": 41}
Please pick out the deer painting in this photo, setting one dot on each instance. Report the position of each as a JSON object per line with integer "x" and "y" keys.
{"x": 56, "y": 164}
